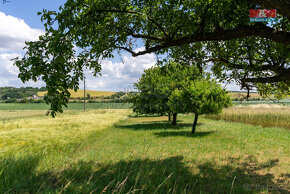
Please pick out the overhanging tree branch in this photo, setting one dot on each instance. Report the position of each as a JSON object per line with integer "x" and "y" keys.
{"x": 273, "y": 79}
{"x": 260, "y": 30}
{"x": 239, "y": 32}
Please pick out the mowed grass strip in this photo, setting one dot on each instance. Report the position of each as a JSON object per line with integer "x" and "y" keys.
{"x": 261, "y": 114}
{"x": 149, "y": 155}
{"x": 80, "y": 93}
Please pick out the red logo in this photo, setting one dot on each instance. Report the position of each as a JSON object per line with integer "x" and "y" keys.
{"x": 262, "y": 13}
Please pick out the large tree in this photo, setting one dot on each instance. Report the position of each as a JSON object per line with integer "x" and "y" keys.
{"x": 84, "y": 32}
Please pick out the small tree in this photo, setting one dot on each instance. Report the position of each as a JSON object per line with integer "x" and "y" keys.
{"x": 157, "y": 84}
{"x": 88, "y": 96}
{"x": 202, "y": 96}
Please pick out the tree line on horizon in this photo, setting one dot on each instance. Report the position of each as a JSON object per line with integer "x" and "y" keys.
{"x": 19, "y": 93}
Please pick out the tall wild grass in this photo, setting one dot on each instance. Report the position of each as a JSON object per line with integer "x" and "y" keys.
{"x": 261, "y": 114}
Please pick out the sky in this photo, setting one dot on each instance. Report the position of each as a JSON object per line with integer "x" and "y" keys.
{"x": 19, "y": 22}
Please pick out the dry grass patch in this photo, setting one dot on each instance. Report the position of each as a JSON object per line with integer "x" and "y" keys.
{"x": 261, "y": 114}
{"x": 44, "y": 132}
{"x": 80, "y": 93}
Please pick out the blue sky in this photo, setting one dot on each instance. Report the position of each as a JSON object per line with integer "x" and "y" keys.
{"x": 19, "y": 22}
{"x": 27, "y": 9}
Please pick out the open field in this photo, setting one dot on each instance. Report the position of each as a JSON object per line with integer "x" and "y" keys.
{"x": 104, "y": 150}
{"x": 80, "y": 93}
{"x": 261, "y": 114}
{"x": 71, "y": 106}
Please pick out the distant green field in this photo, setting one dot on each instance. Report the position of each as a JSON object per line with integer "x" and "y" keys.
{"x": 71, "y": 106}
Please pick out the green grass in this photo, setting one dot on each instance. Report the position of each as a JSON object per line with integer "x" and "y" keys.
{"x": 71, "y": 106}
{"x": 85, "y": 152}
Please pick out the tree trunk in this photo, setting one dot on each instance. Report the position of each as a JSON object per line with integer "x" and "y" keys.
{"x": 169, "y": 117}
{"x": 174, "y": 119}
{"x": 194, "y": 123}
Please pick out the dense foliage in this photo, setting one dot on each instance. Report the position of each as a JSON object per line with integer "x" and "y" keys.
{"x": 202, "y": 96}
{"x": 175, "y": 88}
{"x": 157, "y": 84}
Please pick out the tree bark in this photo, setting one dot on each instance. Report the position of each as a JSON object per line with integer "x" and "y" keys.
{"x": 174, "y": 119}
{"x": 169, "y": 117}
{"x": 194, "y": 124}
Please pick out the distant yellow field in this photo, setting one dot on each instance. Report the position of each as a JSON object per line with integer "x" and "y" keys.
{"x": 80, "y": 93}
{"x": 241, "y": 94}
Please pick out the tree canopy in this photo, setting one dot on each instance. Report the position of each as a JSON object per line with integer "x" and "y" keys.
{"x": 157, "y": 84}
{"x": 177, "y": 88}
{"x": 201, "y": 96}
{"x": 82, "y": 33}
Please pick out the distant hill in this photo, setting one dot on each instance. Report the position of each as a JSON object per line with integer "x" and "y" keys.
{"x": 80, "y": 93}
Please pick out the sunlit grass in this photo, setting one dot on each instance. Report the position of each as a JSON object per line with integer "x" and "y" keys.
{"x": 83, "y": 152}
{"x": 262, "y": 114}
{"x": 14, "y": 114}
{"x": 44, "y": 132}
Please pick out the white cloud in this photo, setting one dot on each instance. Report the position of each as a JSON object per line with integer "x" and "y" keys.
{"x": 14, "y": 32}
{"x": 117, "y": 76}
{"x": 9, "y": 73}
{"x": 7, "y": 70}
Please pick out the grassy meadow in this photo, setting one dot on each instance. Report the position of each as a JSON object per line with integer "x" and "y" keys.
{"x": 80, "y": 93}
{"x": 105, "y": 150}
{"x": 266, "y": 115}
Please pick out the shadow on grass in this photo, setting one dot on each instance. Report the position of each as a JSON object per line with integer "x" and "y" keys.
{"x": 169, "y": 175}
{"x": 183, "y": 133}
{"x": 156, "y": 125}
